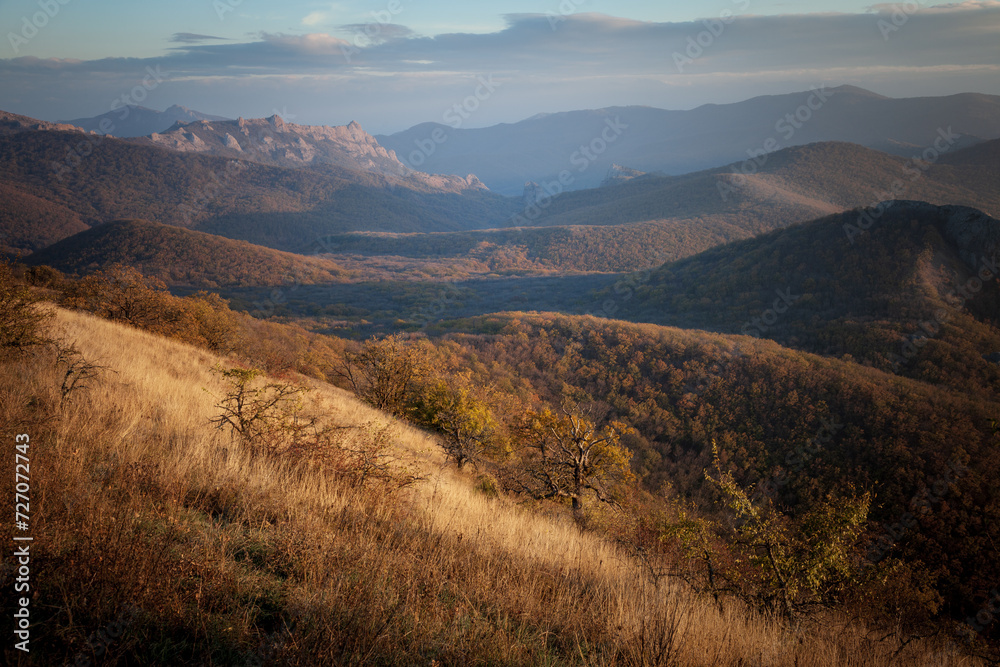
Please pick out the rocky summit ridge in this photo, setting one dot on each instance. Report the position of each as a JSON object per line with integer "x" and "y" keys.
{"x": 277, "y": 142}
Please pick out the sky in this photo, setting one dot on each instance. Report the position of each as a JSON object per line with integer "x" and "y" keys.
{"x": 391, "y": 64}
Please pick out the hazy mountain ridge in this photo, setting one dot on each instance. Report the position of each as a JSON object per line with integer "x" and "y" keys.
{"x": 137, "y": 121}
{"x": 810, "y": 180}
{"x": 675, "y": 142}
{"x": 651, "y": 219}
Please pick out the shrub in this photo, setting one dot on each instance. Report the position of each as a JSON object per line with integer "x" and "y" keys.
{"x": 22, "y": 321}
{"x": 123, "y": 294}
{"x": 272, "y": 419}
{"x": 385, "y": 372}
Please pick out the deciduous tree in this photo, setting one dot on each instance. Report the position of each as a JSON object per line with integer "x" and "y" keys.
{"x": 567, "y": 456}
{"x": 464, "y": 416}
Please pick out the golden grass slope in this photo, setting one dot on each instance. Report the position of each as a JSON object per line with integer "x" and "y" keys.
{"x": 218, "y": 558}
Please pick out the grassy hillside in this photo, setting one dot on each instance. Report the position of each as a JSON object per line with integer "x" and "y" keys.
{"x": 764, "y": 406}
{"x": 180, "y": 256}
{"x": 163, "y": 542}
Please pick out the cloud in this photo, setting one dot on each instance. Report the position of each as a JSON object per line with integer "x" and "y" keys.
{"x": 374, "y": 33}
{"x": 968, "y": 5}
{"x": 193, "y": 38}
{"x": 549, "y": 62}
{"x": 598, "y": 45}
{"x": 315, "y": 18}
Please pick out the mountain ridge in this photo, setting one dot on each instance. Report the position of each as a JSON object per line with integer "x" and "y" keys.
{"x": 57, "y": 184}
{"x": 275, "y": 142}
{"x": 682, "y": 141}
{"x": 133, "y": 120}
{"x": 182, "y": 257}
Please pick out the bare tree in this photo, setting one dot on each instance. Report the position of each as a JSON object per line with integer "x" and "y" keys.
{"x": 23, "y": 322}
{"x": 384, "y": 373}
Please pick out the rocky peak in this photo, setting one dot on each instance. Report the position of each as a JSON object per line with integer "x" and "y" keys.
{"x": 12, "y": 123}
{"x": 619, "y": 174}
{"x": 273, "y": 141}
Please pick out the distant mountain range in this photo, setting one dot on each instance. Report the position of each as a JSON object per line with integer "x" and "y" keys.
{"x": 645, "y": 220}
{"x": 303, "y": 188}
{"x": 55, "y": 184}
{"x": 137, "y": 121}
{"x": 274, "y": 142}
{"x": 581, "y": 146}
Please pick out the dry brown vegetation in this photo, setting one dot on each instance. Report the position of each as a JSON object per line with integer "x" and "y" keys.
{"x": 142, "y": 510}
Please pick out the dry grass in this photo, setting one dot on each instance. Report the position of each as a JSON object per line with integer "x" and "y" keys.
{"x": 226, "y": 559}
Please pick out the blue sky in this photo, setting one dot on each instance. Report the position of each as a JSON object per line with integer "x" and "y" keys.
{"x": 314, "y": 62}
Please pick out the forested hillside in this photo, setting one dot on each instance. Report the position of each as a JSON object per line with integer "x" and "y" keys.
{"x": 789, "y": 424}
{"x": 904, "y": 287}
{"x": 179, "y": 256}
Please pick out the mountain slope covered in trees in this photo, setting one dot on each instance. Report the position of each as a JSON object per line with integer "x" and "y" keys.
{"x": 179, "y": 256}
{"x": 643, "y": 222}
{"x": 905, "y": 287}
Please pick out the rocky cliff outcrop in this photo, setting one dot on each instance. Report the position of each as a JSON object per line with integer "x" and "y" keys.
{"x": 276, "y": 142}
